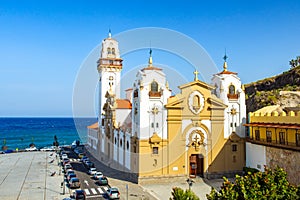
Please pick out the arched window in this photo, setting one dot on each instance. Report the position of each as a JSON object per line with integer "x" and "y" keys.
{"x": 154, "y": 86}
{"x": 135, "y": 93}
{"x": 196, "y": 101}
{"x": 113, "y": 51}
{"x": 108, "y": 50}
{"x": 231, "y": 89}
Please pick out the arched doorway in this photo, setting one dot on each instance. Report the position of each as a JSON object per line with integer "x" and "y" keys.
{"x": 196, "y": 165}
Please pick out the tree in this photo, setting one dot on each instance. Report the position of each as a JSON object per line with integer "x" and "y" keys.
{"x": 270, "y": 184}
{"x": 55, "y": 143}
{"x": 295, "y": 63}
{"x": 180, "y": 194}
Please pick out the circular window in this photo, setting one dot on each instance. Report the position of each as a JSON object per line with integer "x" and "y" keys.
{"x": 127, "y": 145}
{"x": 121, "y": 142}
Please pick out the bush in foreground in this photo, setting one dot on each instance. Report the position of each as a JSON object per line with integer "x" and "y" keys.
{"x": 270, "y": 184}
{"x": 180, "y": 194}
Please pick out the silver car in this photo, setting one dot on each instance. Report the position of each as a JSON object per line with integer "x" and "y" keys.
{"x": 113, "y": 193}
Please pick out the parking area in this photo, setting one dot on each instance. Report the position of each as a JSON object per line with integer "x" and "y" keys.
{"x": 90, "y": 185}
{"x": 95, "y": 188}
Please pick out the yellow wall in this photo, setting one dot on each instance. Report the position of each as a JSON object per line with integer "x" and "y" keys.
{"x": 274, "y": 117}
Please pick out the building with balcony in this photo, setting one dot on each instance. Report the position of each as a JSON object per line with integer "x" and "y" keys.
{"x": 274, "y": 140}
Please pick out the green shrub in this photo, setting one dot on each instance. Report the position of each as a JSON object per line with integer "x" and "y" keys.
{"x": 270, "y": 184}
{"x": 180, "y": 194}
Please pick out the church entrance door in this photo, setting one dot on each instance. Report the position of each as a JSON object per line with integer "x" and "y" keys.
{"x": 196, "y": 165}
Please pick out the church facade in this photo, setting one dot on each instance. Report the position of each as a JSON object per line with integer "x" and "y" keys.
{"x": 153, "y": 133}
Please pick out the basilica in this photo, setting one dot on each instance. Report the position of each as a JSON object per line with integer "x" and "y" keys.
{"x": 154, "y": 134}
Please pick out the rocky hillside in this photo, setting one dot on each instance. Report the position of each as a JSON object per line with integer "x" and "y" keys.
{"x": 267, "y": 91}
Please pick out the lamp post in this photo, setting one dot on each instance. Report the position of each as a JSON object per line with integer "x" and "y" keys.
{"x": 190, "y": 183}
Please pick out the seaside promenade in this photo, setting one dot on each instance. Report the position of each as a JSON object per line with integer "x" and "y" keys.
{"x": 27, "y": 176}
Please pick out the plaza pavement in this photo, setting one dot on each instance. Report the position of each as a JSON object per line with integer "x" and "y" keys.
{"x": 27, "y": 176}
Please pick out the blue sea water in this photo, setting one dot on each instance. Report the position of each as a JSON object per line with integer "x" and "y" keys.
{"x": 20, "y": 132}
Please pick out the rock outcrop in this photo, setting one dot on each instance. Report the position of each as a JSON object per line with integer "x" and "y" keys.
{"x": 267, "y": 92}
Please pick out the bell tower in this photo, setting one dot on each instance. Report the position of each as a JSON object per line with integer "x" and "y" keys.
{"x": 229, "y": 88}
{"x": 109, "y": 68}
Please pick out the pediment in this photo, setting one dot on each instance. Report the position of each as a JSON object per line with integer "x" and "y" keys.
{"x": 175, "y": 104}
{"x": 197, "y": 83}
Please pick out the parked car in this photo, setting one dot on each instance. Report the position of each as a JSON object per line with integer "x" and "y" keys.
{"x": 113, "y": 193}
{"x": 63, "y": 156}
{"x": 69, "y": 172}
{"x": 47, "y": 149}
{"x": 80, "y": 155}
{"x": 84, "y": 158}
{"x": 97, "y": 175}
{"x": 89, "y": 164}
{"x": 102, "y": 181}
{"x": 68, "y": 166}
{"x": 66, "y": 161}
{"x": 71, "y": 176}
{"x": 79, "y": 195}
{"x": 77, "y": 151}
{"x": 74, "y": 183}
{"x": 92, "y": 171}
{"x": 31, "y": 149}
{"x": 61, "y": 153}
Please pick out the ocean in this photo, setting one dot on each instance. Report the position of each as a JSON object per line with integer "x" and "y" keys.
{"x": 20, "y": 132}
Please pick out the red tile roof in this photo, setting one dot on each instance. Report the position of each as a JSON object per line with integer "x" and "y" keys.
{"x": 123, "y": 104}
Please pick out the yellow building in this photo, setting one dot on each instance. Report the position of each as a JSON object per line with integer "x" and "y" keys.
{"x": 274, "y": 140}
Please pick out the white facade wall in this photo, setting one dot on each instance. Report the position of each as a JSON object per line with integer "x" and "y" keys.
{"x": 121, "y": 146}
{"x": 255, "y": 156}
{"x": 121, "y": 115}
{"x": 127, "y": 151}
{"x": 92, "y": 138}
{"x": 115, "y": 144}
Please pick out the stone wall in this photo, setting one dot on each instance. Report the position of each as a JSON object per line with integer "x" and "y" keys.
{"x": 287, "y": 159}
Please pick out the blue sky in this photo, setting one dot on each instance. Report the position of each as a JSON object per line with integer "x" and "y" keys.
{"x": 43, "y": 43}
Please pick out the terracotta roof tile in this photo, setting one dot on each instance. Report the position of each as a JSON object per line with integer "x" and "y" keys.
{"x": 93, "y": 126}
{"x": 123, "y": 104}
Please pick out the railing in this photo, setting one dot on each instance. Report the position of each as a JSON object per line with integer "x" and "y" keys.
{"x": 274, "y": 143}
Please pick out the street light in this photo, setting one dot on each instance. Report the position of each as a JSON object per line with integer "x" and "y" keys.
{"x": 190, "y": 183}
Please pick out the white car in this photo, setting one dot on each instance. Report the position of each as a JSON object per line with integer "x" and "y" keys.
{"x": 97, "y": 175}
{"x": 92, "y": 171}
{"x": 47, "y": 149}
{"x": 31, "y": 149}
{"x": 113, "y": 193}
{"x": 64, "y": 156}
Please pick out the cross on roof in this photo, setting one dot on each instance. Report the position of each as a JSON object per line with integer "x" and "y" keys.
{"x": 196, "y": 75}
